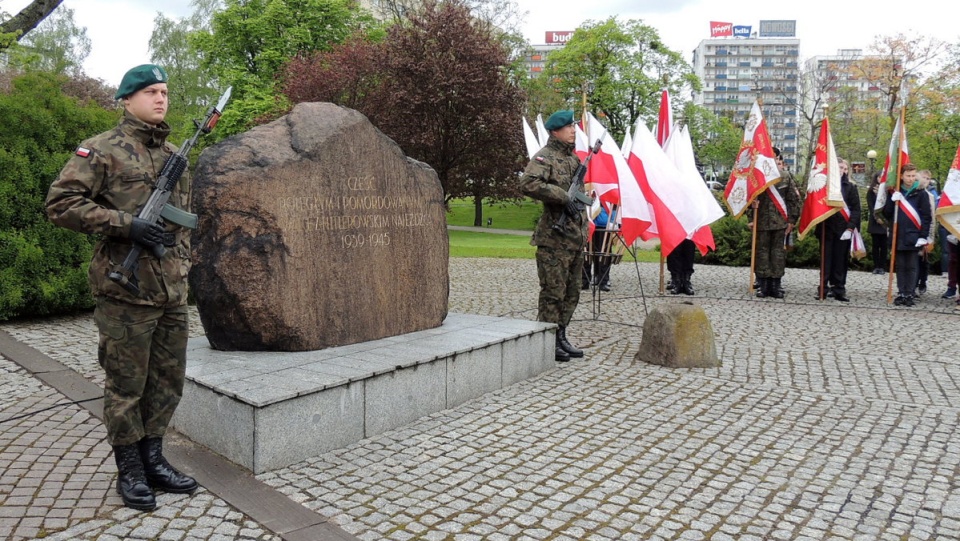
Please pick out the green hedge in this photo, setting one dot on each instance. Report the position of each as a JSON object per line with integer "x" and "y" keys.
{"x": 42, "y": 266}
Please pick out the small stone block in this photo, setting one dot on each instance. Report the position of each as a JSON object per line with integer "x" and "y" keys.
{"x": 678, "y": 336}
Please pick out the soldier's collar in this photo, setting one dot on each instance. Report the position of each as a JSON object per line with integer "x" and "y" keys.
{"x": 152, "y": 136}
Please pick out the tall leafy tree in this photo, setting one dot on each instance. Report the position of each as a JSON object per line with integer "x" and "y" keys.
{"x": 455, "y": 107}
{"x": 16, "y": 27}
{"x": 249, "y": 41}
{"x": 622, "y": 66}
{"x": 56, "y": 45}
{"x": 716, "y": 139}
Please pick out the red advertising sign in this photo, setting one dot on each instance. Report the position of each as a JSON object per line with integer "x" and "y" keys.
{"x": 558, "y": 37}
{"x": 718, "y": 30}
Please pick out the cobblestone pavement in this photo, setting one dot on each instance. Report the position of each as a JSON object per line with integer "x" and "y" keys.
{"x": 826, "y": 420}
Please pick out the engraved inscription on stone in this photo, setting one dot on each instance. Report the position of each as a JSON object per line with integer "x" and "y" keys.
{"x": 316, "y": 231}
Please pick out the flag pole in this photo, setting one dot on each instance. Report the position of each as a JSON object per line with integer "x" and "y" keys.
{"x": 755, "y": 205}
{"x": 896, "y": 206}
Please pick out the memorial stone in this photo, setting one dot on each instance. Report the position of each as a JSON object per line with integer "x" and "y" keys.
{"x": 316, "y": 231}
{"x": 678, "y": 335}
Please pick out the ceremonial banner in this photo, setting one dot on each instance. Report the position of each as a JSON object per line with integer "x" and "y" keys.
{"x": 824, "y": 196}
{"x": 948, "y": 210}
{"x": 755, "y": 168}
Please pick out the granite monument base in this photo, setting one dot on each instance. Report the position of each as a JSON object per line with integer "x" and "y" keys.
{"x": 267, "y": 410}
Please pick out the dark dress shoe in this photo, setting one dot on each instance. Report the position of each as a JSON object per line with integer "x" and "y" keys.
{"x": 604, "y": 287}
{"x": 841, "y": 297}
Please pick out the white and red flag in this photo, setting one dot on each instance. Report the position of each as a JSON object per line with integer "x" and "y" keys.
{"x": 608, "y": 167}
{"x": 948, "y": 209}
{"x": 755, "y": 168}
{"x": 824, "y": 196}
{"x": 898, "y": 155}
{"x": 673, "y": 195}
{"x": 702, "y": 206}
{"x": 665, "y": 119}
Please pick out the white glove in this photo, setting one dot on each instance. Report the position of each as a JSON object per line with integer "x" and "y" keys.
{"x": 847, "y": 235}
{"x": 920, "y": 242}
{"x": 896, "y": 196}
{"x": 951, "y": 239}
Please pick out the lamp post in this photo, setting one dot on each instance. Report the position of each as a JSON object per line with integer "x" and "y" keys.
{"x": 872, "y": 156}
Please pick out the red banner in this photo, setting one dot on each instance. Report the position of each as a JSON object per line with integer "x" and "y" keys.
{"x": 718, "y": 30}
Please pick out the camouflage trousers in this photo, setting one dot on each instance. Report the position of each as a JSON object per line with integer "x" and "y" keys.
{"x": 560, "y": 276}
{"x": 771, "y": 254}
{"x": 143, "y": 351}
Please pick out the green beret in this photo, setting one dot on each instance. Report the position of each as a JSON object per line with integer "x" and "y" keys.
{"x": 140, "y": 77}
{"x": 559, "y": 119}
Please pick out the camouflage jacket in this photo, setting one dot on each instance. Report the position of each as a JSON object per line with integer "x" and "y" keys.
{"x": 547, "y": 178}
{"x": 100, "y": 190}
{"x": 770, "y": 217}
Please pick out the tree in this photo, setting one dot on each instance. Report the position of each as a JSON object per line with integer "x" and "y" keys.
{"x": 622, "y": 66}
{"x": 895, "y": 59}
{"x": 453, "y": 107}
{"x": 716, "y": 140}
{"x": 15, "y": 28}
{"x": 249, "y": 41}
{"x": 56, "y": 45}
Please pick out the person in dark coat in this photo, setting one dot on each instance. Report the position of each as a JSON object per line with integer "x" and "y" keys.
{"x": 880, "y": 248}
{"x": 836, "y": 232}
{"x": 911, "y": 225}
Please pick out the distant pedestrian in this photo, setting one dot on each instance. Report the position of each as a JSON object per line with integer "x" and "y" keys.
{"x": 143, "y": 339}
{"x": 559, "y": 241}
{"x": 878, "y": 231}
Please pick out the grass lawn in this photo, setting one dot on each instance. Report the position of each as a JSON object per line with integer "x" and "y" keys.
{"x": 505, "y": 215}
{"x": 475, "y": 244}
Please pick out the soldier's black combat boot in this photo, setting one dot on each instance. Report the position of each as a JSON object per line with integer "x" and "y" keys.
{"x": 775, "y": 290}
{"x": 573, "y": 352}
{"x": 159, "y": 473}
{"x": 561, "y": 356}
{"x": 762, "y": 287}
{"x": 131, "y": 482}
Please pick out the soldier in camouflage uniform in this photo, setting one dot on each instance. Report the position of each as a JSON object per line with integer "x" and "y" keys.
{"x": 772, "y": 230}
{"x": 559, "y": 253}
{"x": 143, "y": 338}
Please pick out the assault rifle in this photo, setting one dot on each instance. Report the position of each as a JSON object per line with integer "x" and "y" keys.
{"x": 575, "y": 193}
{"x": 156, "y": 210}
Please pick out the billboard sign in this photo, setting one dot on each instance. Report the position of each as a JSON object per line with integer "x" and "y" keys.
{"x": 778, "y": 29}
{"x": 719, "y": 30}
{"x": 558, "y": 37}
{"x": 741, "y": 31}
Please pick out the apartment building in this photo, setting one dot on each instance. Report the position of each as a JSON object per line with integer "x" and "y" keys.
{"x": 737, "y": 70}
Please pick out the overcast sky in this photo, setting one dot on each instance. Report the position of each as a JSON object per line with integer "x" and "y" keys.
{"x": 120, "y": 29}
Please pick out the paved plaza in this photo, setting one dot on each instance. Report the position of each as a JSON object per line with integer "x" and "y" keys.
{"x": 826, "y": 421}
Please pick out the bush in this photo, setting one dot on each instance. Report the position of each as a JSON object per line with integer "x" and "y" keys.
{"x": 42, "y": 267}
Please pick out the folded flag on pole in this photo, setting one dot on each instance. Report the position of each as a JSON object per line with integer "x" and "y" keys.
{"x": 755, "y": 168}
{"x": 533, "y": 145}
{"x": 824, "y": 196}
{"x": 898, "y": 155}
{"x": 948, "y": 209}
{"x": 542, "y": 134}
{"x": 665, "y": 119}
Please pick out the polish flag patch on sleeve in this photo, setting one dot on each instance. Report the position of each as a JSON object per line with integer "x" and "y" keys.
{"x": 83, "y": 152}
